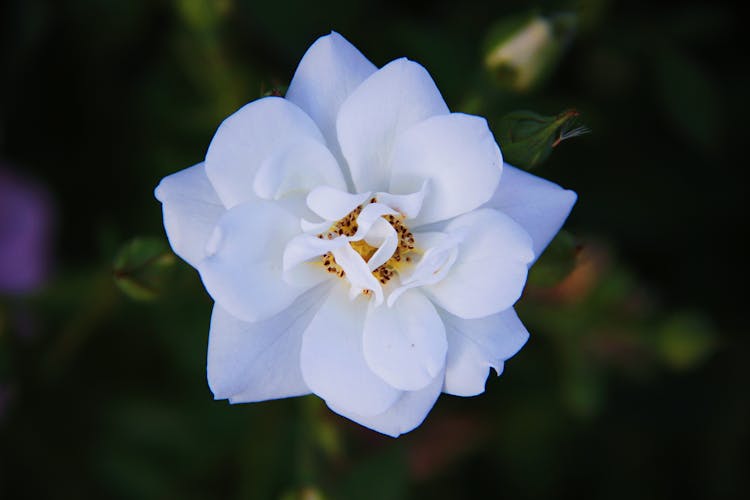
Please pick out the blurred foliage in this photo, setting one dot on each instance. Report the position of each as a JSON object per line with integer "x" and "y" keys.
{"x": 557, "y": 261}
{"x": 141, "y": 268}
{"x": 634, "y": 382}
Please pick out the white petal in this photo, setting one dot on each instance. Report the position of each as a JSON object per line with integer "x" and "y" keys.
{"x": 297, "y": 168}
{"x": 247, "y": 138}
{"x": 405, "y": 415}
{"x": 333, "y": 365}
{"x": 490, "y": 271}
{"x": 460, "y": 157}
{"x": 243, "y": 267}
{"x": 327, "y": 74}
{"x": 540, "y": 206}
{"x": 385, "y": 239}
{"x": 333, "y": 204}
{"x": 191, "y": 208}
{"x": 432, "y": 267}
{"x": 314, "y": 227}
{"x": 405, "y": 344}
{"x": 396, "y": 97}
{"x": 475, "y": 345}
{"x": 250, "y": 362}
{"x": 369, "y": 215}
{"x": 406, "y": 204}
{"x": 357, "y": 272}
{"x": 298, "y": 254}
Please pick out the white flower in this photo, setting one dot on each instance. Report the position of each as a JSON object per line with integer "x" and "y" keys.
{"x": 360, "y": 241}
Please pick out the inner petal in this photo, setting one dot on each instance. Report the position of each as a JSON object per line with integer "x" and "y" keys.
{"x": 375, "y": 245}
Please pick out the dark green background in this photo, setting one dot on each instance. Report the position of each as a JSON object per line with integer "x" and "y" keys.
{"x": 101, "y": 99}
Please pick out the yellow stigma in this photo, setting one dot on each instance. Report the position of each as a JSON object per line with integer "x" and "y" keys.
{"x": 347, "y": 226}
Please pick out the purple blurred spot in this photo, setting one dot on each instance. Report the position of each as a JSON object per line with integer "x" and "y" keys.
{"x": 25, "y": 234}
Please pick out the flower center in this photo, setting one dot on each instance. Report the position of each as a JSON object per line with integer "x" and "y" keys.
{"x": 347, "y": 226}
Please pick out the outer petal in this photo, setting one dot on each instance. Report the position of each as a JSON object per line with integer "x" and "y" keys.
{"x": 405, "y": 415}
{"x": 327, "y": 74}
{"x": 243, "y": 269}
{"x": 250, "y": 362}
{"x": 333, "y": 365}
{"x": 459, "y": 156}
{"x": 490, "y": 271}
{"x": 405, "y": 344}
{"x": 191, "y": 209}
{"x": 540, "y": 206}
{"x": 475, "y": 345}
{"x": 393, "y": 99}
{"x": 247, "y": 138}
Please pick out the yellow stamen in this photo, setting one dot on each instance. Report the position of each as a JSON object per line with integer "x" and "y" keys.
{"x": 347, "y": 226}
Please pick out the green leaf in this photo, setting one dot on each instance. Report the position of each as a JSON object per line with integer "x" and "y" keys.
{"x": 528, "y": 138}
{"x": 142, "y": 267}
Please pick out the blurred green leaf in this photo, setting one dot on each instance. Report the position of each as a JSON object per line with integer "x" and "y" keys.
{"x": 381, "y": 475}
{"x": 582, "y": 388}
{"x": 203, "y": 14}
{"x": 305, "y": 493}
{"x": 557, "y": 261}
{"x": 142, "y": 267}
{"x": 528, "y": 138}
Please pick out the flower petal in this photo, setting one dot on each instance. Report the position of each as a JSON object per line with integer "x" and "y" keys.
{"x": 369, "y": 215}
{"x": 405, "y": 415}
{"x": 297, "y": 168}
{"x": 333, "y": 365}
{"x": 303, "y": 248}
{"x": 327, "y": 74}
{"x": 490, "y": 271}
{"x": 407, "y": 204}
{"x": 191, "y": 208}
{"x": 333, "y": 204}
{"x": 540, "y": 206}
{"x": 459, "y": 156}
{"x": 243, "y": 269}
{"x": 436, "y": 262}
{"x": 396, "y": 97}
{"x": 475, "y": 345}
{"x": 250, "y": 362}
{"x": 405, "y": 345}
{"x": 247, "y": 138}
{"x": 357, "y": 273}
{"x": 384, "y": 237}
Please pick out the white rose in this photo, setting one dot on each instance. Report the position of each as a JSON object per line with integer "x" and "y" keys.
{"x": 361, "y": 242}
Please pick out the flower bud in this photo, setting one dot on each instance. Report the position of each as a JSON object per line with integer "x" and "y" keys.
{"x": 527, "y": 138}
{"x": 522, "y": 51}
